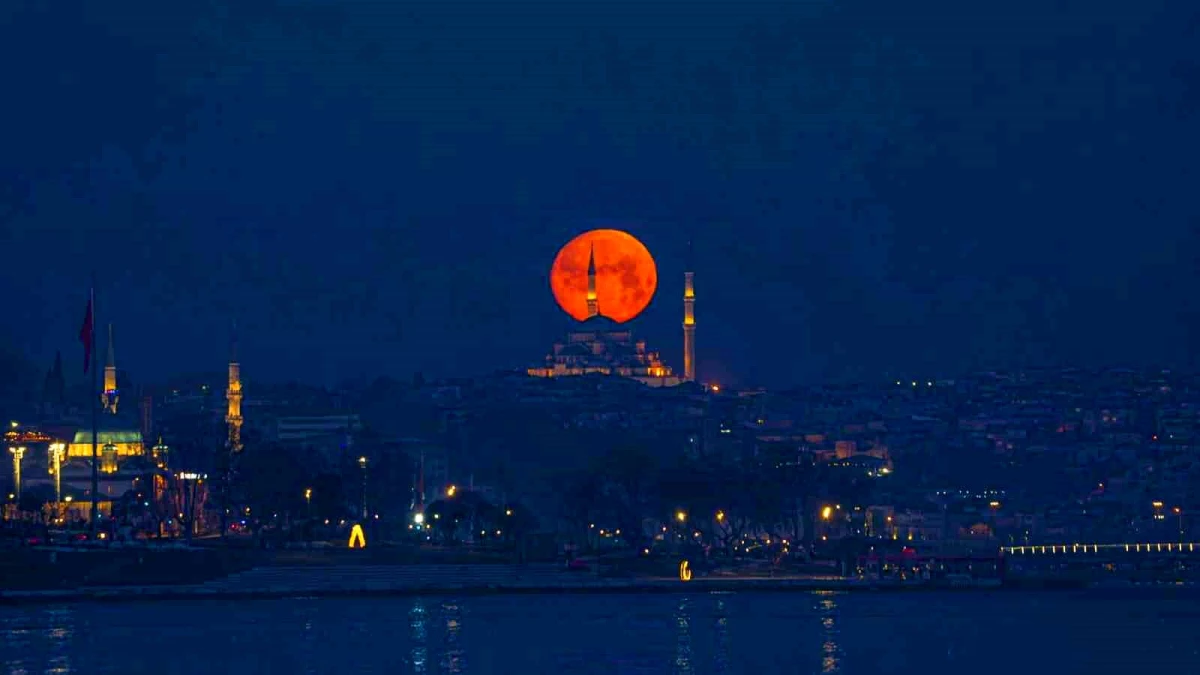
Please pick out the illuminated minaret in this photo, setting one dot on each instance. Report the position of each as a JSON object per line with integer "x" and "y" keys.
{"x": 593, "y": 302}
{"x": 689, "y": 322}
{"x": 233, "y": 398}
{"x": 110, "y": 396}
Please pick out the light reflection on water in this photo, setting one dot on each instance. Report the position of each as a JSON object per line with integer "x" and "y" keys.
{"x": 452, "y": 660}
{"x": 841, "y": 634}
{"x": 721, "y": 638}
{"x": 826, "y": 608}
{"x": 683, "y": 638}
{"x": 419, "y": 636}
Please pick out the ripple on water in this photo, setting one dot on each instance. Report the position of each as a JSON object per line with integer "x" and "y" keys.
{"x": 846, "y": 634}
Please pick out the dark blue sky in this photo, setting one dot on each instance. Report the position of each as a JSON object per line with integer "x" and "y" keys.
{"x": 873, "y": 186}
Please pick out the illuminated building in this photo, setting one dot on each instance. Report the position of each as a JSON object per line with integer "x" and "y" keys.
{"x": 689, "y": 323}
{"x": 111, "y": 395}
{"x": 233, "y": 399}
{"x": 115, "y": 446}
{"x": 602, "y": 346}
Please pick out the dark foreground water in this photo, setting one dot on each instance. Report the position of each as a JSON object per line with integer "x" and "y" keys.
{"x": 859, "y": 633}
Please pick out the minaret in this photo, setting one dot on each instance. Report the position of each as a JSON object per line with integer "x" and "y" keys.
{"x": 593, "y": 302}
{"x": 233, "y": 397}
{"x": 689, "y": 322}
{"x": 54, "y": 388}
{"x": 111, "y": 396}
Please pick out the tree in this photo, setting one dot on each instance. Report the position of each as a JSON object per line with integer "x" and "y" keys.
{"x": 329, "y": 496}
{"x": 629, "y": 471}
{"x": 189, "y": 495}
{"x": 273, "y": 481}
{"x": 462, "y": 516}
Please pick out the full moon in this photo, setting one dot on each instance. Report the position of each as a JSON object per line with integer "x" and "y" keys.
{"x": 626, "y": 275}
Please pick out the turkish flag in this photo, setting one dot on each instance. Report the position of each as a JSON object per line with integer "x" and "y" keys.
{"x": 85, "y": 335}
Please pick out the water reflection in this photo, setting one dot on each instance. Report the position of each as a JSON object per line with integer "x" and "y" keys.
{"x": 310, "y": 637}
{"x": 49, "y": 635}
{"x": 683, "y": 637}
{"x": 452, "y": 660}
{"x": 16, "y": 642}
{"x": 601, "y": 635}
{"x": 418, "y": 635}
{"x": 721, "y": 638}
{"x": 831, "y": 651}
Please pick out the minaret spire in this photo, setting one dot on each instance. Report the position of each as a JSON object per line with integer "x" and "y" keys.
{"x": 689, "y": 320}
{"x": 233, "y": 396}
{"x": 111, "y": 395}
{"x": 593, "y": 303}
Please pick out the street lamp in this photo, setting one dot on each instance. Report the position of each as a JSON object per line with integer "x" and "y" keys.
{"x": 17, "y": 454}
{"x": 56, "y": 456}
{"x": 1178, "y": 511}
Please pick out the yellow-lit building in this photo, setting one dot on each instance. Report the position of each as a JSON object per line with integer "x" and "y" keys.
{"x": 233, "y": 399}
{"x": 599, "y": 345}
{"x": 113, "y": 445}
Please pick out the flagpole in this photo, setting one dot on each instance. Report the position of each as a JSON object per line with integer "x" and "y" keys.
{"x": 95, "y": 418}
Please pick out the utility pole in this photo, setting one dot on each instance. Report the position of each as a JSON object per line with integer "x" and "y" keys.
{"x": 362, "y": 464}
{"x": 56, "y": 457}
{"x": 17, "y": 455}
{"x": 95, "y": 397}
{"x": 226, "y": 477}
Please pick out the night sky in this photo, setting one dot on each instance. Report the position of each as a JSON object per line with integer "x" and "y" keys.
{"x": 379, "y": 187}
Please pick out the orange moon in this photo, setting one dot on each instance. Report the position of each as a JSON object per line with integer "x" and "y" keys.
{"x": 626, "y": 275}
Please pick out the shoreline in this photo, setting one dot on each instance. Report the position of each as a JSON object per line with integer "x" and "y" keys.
{"x": 120, "y": 594}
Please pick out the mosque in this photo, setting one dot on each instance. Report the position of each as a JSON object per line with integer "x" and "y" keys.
{"x": 600, "y": 345}
{"x": 124, "y": 457}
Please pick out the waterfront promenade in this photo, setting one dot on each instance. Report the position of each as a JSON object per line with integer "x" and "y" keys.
{"x": 400, "y": 580}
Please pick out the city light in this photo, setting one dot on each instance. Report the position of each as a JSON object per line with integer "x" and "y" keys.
{"x": 827, "y": 513}
{"x": 681, "y": 516}
{"x": 685, "y": 571}
{"x": 451, "y": 490}
{"x": 357, "y": 538}
{"x": 720, "y": 516}
{"x": 418, "y": 518}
